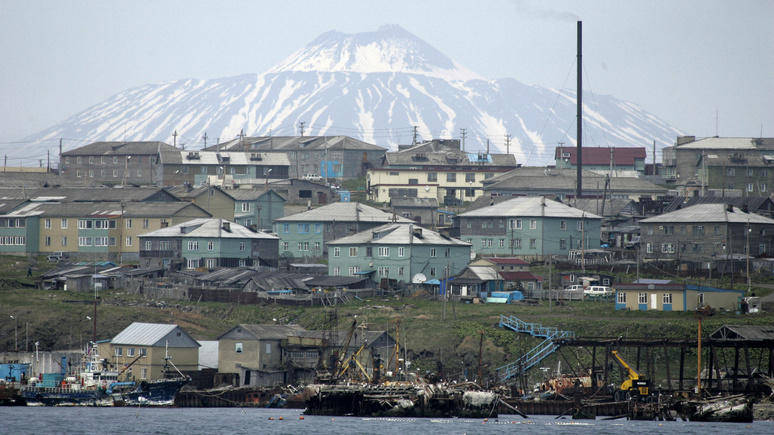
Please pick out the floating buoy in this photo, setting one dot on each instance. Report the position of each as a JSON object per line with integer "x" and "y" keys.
{"x": 271, "y": 418}
{"x": 486, "y": 419}
{"x": 280, "y": 418}
{"x": 301, "y": 418}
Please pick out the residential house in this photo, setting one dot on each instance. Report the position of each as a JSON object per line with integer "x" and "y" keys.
{"x": 531, "y": 228}
{"x": 339, "y": 157}
{"x": 226, "y": 169}
{"x": 734, "y": 174}
{"x": 210, "y": 243}
{"x": 603, "y": 160}
{"x": 515, "y": 272}
{"x": 218, "y": 202}
{"x": 306, "y": 234}
{"x": 397, "y": 252}
{"x": 620, "y": 217}
{"x": 562, "y": 183}
{"x": 143, "y": 349}
{"x": 761, "y": 205}
{"x": 437, "y": 169}
{"x": 705, "y": 231}
{"x": 257, "y": 208}
{"x": 88, "y": 231}
{"x": 475, "y": 281}
{"x": 675, "y": 297}
{"x": 303, "y": 192}
{"x": 115, "y": 163}
{"x": 682, "y": 162}
{"x": 420, "y": 210}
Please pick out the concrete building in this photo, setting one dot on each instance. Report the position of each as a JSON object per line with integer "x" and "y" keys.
{"x": 675, "y": 297}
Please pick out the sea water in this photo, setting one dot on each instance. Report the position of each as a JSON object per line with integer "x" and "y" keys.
{"x": 216, "y": 421}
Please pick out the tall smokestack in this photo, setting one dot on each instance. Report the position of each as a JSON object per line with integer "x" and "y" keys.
{"x": 579, "y": 189}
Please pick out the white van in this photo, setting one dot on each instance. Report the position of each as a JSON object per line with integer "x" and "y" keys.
{"x": 312, "y": 177}
{"x": 598, "y": 291}
{"x": 574, "y": 288}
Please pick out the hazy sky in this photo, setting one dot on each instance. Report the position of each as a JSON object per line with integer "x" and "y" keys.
{"x": 686, "y": 62}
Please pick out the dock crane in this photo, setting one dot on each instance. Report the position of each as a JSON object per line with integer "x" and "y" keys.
{"x": 635, "y": 383}
{"x": 341, "y": 354}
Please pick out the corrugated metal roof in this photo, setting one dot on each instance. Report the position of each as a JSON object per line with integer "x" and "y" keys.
{"x": 211, "y": 228}
{"x": 398, "y": 234}
{"x": 530, "y": 207}
{"x": 723, "y": 143}
{"x": 154, "y": 334}
{"x": 344, "y": 212}
{"x": 744, "y": 332}
{"x": 709, "y": 213}
{"x": 120, "y": 148}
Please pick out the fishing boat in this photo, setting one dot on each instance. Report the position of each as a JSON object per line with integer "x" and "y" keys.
{"x": 95, "y": 385}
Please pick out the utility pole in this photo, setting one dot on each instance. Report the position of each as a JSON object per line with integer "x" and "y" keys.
{"x": 464, "y": 132}
{"x": 414, "y": 138}
{"x": 507, "y": 144}
{"x": 748, "y": 256}
{"x": 60, "y": 156}
{"x": 174, "y": 139}
{"x": 205, "y": 139}
{"x": 302, "y": 127}
{"x": 579, "y": 127}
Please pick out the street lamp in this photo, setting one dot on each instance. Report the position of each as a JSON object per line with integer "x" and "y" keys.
{"x": 16, "y": 333}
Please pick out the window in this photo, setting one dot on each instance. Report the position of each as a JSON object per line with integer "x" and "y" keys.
{"x": 47, "y": 224}
{"x": 750, "y": 187}
{"x": 470, "y": 177}
{"x": 64, "y": 241}
{"x": 642, "y": 298}
{"x": 432, "y": 252}
{"x": 532, "y": 243}
{"x": 384, "y": 271}
{"x": 144, "y": 373}
{"x": 354, "y": 269}
{"x": 400, "y": 271}
{"x": 763, "y": 187}
{"x": 516, "y": 224}
{"x": 48, "y": 241}
{"x": 285, "y": 228}
{"x": 148, "y": 245}
{"x": 353, "y": 251}
{"x": 285, "y": 246}
{"x": 336, "y": 251}
{"x": 128, "y": 224}
{"x": 238, "y": 348}
{"x": 245, "y": 206}
{"x": 303, "y": 246}
{"x": 580, "y": 225}
{"x": 115, "y": 173}
{"x": 563, "y": 225}
{"x": 432, "y": 271}
{"x": 303, "y": 228}
{"x": 130, "y": 351}
{"x": 119, "y": 351}
{"x": 432, "y": 176}
{"x": 193, "y": 245}
{"x": 85, "y": 241}
{"x": 129, "y": 241}
{"x": 384, "y": 251}
{"x": 500, "y": 243}
{"x": 533, "y": 224}
{"x": 79, "y": 160}
{"x": 210, "y": 246}
{"x": 562, "y": 244}
{"x": 401, "y": 252}
{"x": 318, "y": 228}
{"x": 336, "y": 271}
{"x": 447, "y": 252}
{"x": 451, "y": 176}
{"x": 164, "y": 245}
{"x": 143, "y": 352}
{"x": 268, "y": 347}
{"x": 193, "y": 263}
{"x": 730, "y": 172}
{"x": 145, "y": 223}
{"x": 649, "y": 248}
{"x": 242, "y": 246}
{"x": 413, "y": 181}
{"x": 621, "y": 298}
{"x": 84, "y": 224}
{"x": 516, "y": 243}
{"x": 64, "y": 224}
{"x": 667, "y": 298}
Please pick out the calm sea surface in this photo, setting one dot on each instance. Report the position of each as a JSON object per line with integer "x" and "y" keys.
{"x": 216, "y": 421}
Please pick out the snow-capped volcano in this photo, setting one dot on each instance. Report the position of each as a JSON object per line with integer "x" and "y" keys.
{"x": 374, "y": 86}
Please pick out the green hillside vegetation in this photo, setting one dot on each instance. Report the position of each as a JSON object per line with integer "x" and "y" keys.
{"x": 58, "y": 320}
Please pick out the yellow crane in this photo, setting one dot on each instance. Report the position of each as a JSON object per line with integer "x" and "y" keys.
{"x": 635, "y": 382}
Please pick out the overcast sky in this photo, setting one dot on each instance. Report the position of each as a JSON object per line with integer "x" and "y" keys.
{"x": 702, "y": 66}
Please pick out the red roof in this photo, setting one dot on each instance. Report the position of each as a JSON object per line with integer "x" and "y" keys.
{"x": 624, "y": 156}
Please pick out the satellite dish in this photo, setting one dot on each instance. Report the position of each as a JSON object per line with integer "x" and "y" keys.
{"x": 472, "y": 254}
{"x": 427, "y": 188}
{"x": 419, "y": 278}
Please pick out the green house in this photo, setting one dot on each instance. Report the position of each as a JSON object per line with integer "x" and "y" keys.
{"x": 398, "y": 251}
{"x": 530, "y": 228}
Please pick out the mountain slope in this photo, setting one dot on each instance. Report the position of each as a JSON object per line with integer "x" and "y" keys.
{"x": 374, "y": 86}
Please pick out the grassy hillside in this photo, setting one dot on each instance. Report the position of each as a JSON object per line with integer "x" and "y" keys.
{"x": 58, "y": 320}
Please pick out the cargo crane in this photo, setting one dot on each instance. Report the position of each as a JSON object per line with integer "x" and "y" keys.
{"x": 635, "y": 384}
